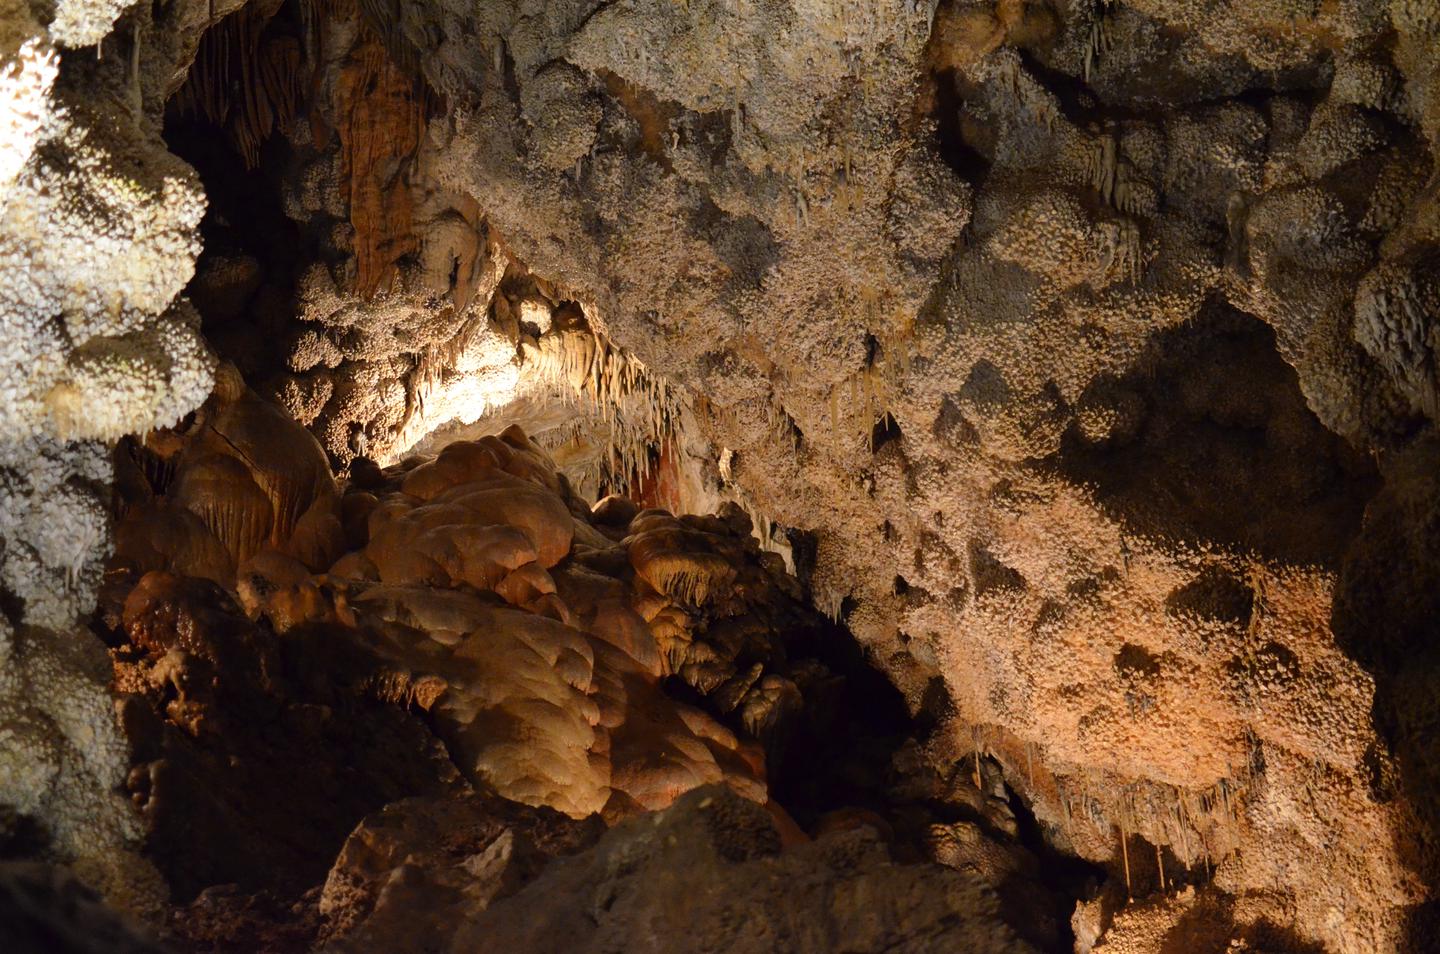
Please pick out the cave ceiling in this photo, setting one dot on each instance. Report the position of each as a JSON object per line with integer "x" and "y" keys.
{"x": 1028, "y": 406}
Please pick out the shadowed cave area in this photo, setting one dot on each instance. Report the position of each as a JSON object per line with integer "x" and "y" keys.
{"x": 1213, "y": 442}
{"x": 744, "y": 475}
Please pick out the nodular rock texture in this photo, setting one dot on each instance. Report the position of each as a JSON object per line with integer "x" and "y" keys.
{"x": 1081, "y": 356}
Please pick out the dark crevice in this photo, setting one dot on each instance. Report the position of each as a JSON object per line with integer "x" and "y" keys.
{"x": 1070, "y": 878}
{"x": 245, "y": 222}
{"x": 840, "y": 754}
{"x": 956, "y": 149}
{"x": 885, "y": 431}
{"x": 595, "y": 11}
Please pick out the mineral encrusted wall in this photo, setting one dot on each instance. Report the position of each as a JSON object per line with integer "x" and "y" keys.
{"x": 444, "y": 658}
{"x": 1078, "y": 334}
{"x": 1089, "y": 347}
{"x": 98, "y": 233}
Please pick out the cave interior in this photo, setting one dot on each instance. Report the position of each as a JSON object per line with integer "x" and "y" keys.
{"x": 745, "y": 475}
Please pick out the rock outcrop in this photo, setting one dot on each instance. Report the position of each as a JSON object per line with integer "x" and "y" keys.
{"x": 703, "y": 875}
{"x": 1018, "y": 303}
{"x": 99, "y": 233}
{"x": 533, "y": 633}
{"x": 477, "y": 672}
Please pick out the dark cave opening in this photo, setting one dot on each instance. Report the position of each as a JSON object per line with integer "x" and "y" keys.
{"x": 960, "y": 141}
{"x": 252, "y": 251}
{"x": 840, "y": 752}
{"x": 885, "y": 431}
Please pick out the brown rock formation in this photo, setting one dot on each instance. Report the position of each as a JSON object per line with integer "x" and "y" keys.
{"x": 480, "y": 603}
{"x": 703, "y": 875}
{"x": 1080, "y": 357}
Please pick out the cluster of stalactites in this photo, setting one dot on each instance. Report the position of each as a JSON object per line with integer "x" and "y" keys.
{"x": 1100, "y": 40}
{"x": 770, "y": 535}
{"x": 868, "y": 397}
{"x": 1113, "y": 180}
{"x": 641, "y": 411}
{"x": 1198, "y": 826}
{"x": 253, "y": 84}
{"x": 246, "y": 83}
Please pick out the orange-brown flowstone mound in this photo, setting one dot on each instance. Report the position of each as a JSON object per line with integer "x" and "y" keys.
{"x": 534, "y": 634}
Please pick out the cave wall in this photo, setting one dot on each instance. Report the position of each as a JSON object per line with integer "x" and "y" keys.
{"x": 98, "y": 230}
{"x": 1073, "y": 338}
{"x": 1073, "y": 332}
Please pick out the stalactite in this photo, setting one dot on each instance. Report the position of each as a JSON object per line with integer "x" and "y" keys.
{"x": 643, "y": 413}
{"x": 1121, "y": 253}
{"x": 381, "y": 112}
{"x": 1102, "y": 165}
{"x": 1125, "y": 856}
{"x": 137, "y": 96}
{"x": 870, "y": 394}
{"x": 1111, "y": 176}
{"x": 250, "y": 78}
{"x": 830, "y": 600}
{"x": 247, "y": 83}
{"x": 1100, "y": 41}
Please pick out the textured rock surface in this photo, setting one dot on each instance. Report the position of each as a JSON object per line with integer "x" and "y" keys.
{"x": 98, "y": 233}
{"x": 235, "y": 732}
{"x": 986, "y": 264}
{"x": 45, "y": 909}
{"x": 410, "y": 875}
{"x": 583, "y": 665}
{"x": 534, "y": 633}
{"x": 703, "y": 876}
{"x": 1070, "y": 331}
{"x": 1086, "y": 348}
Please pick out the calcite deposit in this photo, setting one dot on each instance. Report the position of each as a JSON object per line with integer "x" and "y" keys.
{"x": 464, "y": 632}
{"x": 994, "y": 434}
{"x": 533, "y": 633}
{"x": 98, "y": 235}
